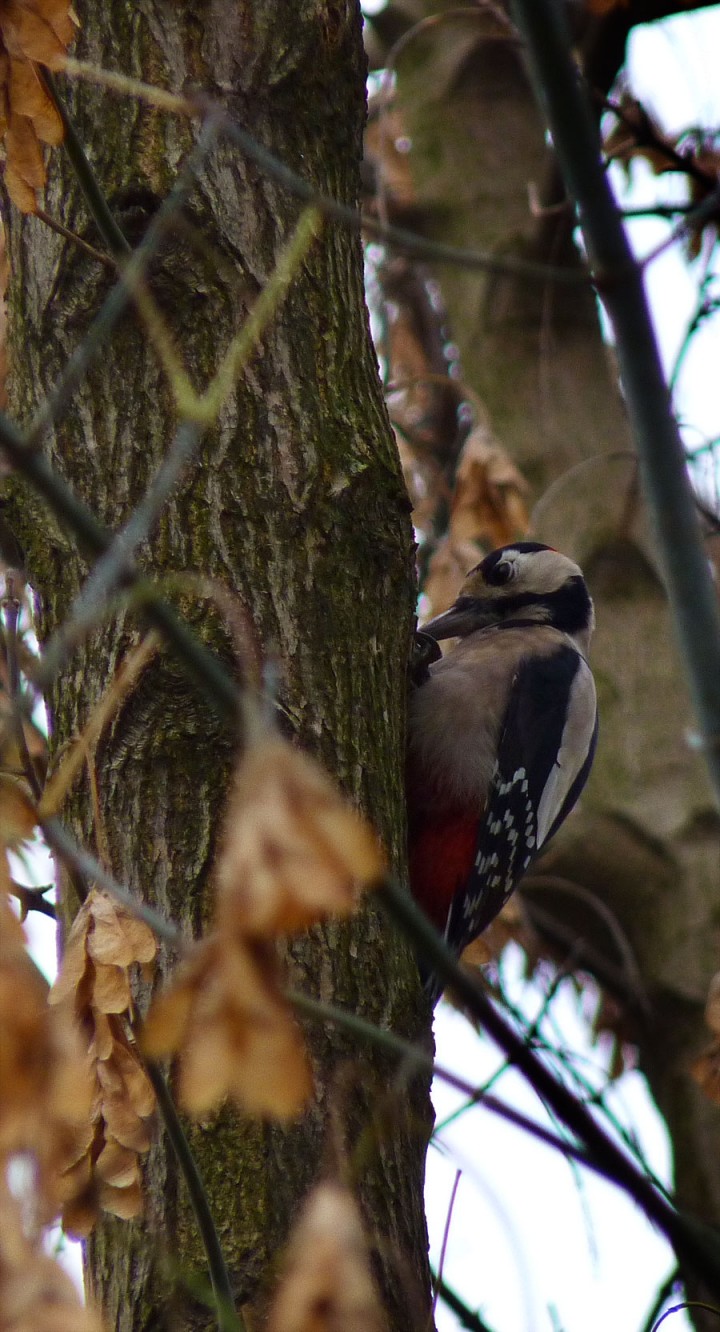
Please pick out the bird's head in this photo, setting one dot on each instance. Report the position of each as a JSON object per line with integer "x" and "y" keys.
{"x": 525, "y": 581}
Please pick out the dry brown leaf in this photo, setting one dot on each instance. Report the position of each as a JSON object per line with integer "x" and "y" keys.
{"x": 135, "y": 1082}
{"x": 38, "y": 30}
{"x": 706, "y": 1068}
{"x": 82, "y": 748}
{"x": 32, "y": 32}
{"x": 386, "y": 148}
{"x": 507, "y": 927}
{"x": 74, "y": 960}
{"x": 111, "y": 989}
{"x": 167, "y": 1023}
{"x": 293, "y": 850}
{"x": 99, "y": 994}
{"x": 327, "y": 1284}
{"x": 101, "y": 1045}
{"x": 122, "y": 1123}
{"x": 36, "y": 1295}
{"x": 80, "y": 1214}
{"x": 224, "y": 1015}
{"x": 12, "y": 934}
{"x": 706, "y": 1071}
{"x": 488, "y": 504}
{"x": 45, "y": 1091}
{"x": 637, "y": 134}
{"x": 127, "y": 1203}
{"x": 29, "y": 98}
{"x": 117, "y": 937}
{"x": 24, "y": 166}
{"x": 104, "y": 941}
{"x": 18, "y": 815}
{"x": 117, "y": 1165}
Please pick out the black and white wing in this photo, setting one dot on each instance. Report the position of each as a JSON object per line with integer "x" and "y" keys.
{"x": 545, "y": 752}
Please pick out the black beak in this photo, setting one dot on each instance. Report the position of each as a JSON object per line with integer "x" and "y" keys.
{"x": 467, "y": 615}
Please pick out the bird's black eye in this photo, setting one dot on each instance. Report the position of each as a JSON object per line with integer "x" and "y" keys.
{"x": 501, "y": 573}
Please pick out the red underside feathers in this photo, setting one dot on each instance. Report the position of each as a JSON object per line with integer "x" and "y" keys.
{"x": 441, "y": 854}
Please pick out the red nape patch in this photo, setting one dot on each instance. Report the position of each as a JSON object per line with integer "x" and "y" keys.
{"x": 441, "y": 854}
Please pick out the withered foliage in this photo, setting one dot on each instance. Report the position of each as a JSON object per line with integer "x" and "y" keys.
{"x": 32, "y": 33}
{"x": 292, "y": 853}
{"x": 94, "y": 987}
{"x": 45, "y": 1102}
{"x": 224, "y": 1014}
{"x": 327, "y": 1284}
{"x": 706, "y": 1068}
{"x": 489, "y": 499}
{"x": 45, "y": 1092}
{"x": 487, "y": 509}
{"x": 36, "y": 1295}
{"x": 694, "y": 155}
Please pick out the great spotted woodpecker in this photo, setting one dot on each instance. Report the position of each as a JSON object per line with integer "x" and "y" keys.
{"x": 501, "y": 734}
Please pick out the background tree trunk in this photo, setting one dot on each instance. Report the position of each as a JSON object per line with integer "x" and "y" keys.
{"x": 296, "y": 505}
{"x": 645, "y": 843}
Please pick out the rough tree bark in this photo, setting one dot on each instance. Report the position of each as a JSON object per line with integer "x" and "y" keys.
{"x": 296, "y": 505}
{"x": 645, "y": 844}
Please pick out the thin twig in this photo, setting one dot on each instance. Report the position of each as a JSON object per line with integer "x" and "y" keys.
{"x": 708, "y": 210}
{"x": 203, "y": 408}
{"x": 33, "y": 899}
{"x": 646, "y": 135}
{"x": 696, "y": 1243}
{"x": 661, "y": 1298}
{"x": 80, "y": 860}
{"x": 686, "y": 1304}
{"x": 229, "y": 1318}
{"x": 72, "y": 236}
{"x": 110, "y": 571}
{"x": 443, "y": 1247}
{"x": 467, "y": 1319}
{"x": 98, "y": 206}
{"x": 120, "y": 297}
{"x": 201, "y": 664}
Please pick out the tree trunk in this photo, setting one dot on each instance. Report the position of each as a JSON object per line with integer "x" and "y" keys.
{"x": 295, "y": 505}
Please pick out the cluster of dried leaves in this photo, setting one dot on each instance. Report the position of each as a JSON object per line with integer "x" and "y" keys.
{"x": 36, "y": 1295}
{"x": 293, "y": 853}
{"x": 45, "y": 1102}
{"x": 695, "y": 155}
{"x": 102, "y": 1172}
{"x": 32, "y": 33}
{"x": 326, "y": 1283}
